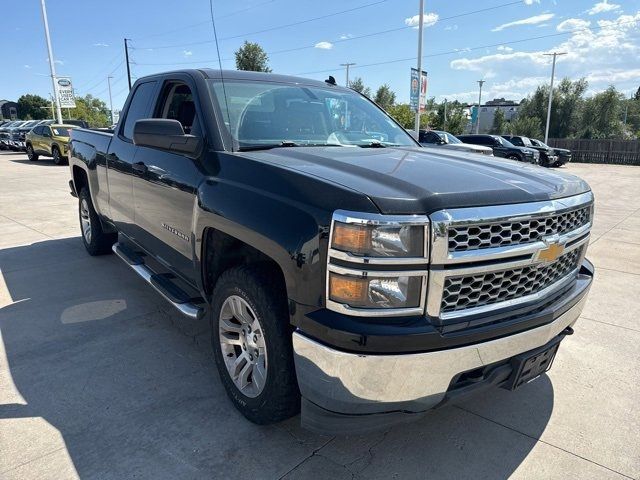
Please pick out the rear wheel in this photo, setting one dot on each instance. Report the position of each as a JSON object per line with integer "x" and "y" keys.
{"x": 31, "y": 155}
{"x": 58, "y": 159}
{"x": 251, "y": 339}
{"x": 514, "y": 157}
{"x": 95, "y": 240}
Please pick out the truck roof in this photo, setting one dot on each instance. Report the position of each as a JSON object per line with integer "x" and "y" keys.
{"x": 214, "y": 73}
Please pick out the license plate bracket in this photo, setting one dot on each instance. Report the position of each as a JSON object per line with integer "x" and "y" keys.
{"x": 530, "y": 365}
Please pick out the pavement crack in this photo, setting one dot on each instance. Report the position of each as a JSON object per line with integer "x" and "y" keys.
{"x": 312, "y": 454}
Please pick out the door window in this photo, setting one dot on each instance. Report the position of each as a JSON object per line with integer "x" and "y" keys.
{"x": 138, "y": 108}
{"x": 179, "y": 105}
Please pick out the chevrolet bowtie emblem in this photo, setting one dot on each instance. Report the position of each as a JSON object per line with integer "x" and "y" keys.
{"x": 551, "y": 252}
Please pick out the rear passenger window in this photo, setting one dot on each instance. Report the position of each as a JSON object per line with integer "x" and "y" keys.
{"x": 138, "y": 108}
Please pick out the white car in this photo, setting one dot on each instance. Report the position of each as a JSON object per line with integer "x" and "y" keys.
{"x": 438, "y": 138}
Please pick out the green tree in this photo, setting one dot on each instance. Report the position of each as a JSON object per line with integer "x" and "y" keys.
{"x": 403, "y": 114}
{"x": 385, "y": 97}
{"x": 251, "y": 56}
{"x": 565, "y": 111}
{"x": 602, "y": 115}
{"x": 33, "y": 107}
{"x": 90, "y": 109}
{"x": 526, "y": 126}
{"x": 498, "y": 126}
{"x": 358, "y": 85}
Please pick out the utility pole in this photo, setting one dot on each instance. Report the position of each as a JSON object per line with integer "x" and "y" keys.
{"x": 52, "y": 66}
{"x": 444, "y": 122}
{"x": 553, "y": 72}
{"x": 347, "y": 65}
{"x": 110, "y": 99}
{"x": 416, "y": 126}
{"x": 480, "y": 82}
{"x": 126, "y": 57}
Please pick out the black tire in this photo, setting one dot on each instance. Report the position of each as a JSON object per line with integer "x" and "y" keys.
{"x": 58, "y": 159}
{"x": 514, "y": 157}
{"x": 259, "y": 287}
{"x": 31, "y": 155}
{"x": 97, "y": 242}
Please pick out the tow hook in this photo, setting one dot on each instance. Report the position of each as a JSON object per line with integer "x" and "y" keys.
{"x": 567, "y": 331}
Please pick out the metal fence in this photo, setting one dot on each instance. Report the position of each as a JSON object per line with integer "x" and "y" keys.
{"x": 619, "y": 152}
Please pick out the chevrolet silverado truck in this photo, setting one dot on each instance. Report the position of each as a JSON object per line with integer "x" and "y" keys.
{"x": 346, "y": 272}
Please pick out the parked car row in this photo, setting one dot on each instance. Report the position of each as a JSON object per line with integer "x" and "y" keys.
{"x": 513, "y": 147}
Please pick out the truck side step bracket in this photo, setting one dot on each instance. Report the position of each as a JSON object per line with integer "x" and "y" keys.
{"x": 181, "y": 300}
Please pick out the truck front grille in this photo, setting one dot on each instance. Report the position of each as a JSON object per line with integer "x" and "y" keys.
{"x": 487, "y": 235}
{"x": 488, "y": 259}
{"x": 471, "y": 291}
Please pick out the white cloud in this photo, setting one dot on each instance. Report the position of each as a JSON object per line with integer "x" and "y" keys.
{"x": 346, "y": 36}
{"x": 100, "y": 44}
{"x": 525, "y": 21}
{"x": 603, "y": 56}
{"x": 572, "y": 24}
{"x": 603, "y": 7}
{"x": 324, "y": 45}
{"x": 531, "y": 2}
{"x": 451, "y": 27}
{"x": 428, "y": 20}
{"x": 187, "y": 53}
{"x": 27, "y": 66}
{"x": 503, "y": 48}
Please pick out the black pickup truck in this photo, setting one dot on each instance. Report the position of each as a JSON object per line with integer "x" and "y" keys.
{"x": 345, "y": 271}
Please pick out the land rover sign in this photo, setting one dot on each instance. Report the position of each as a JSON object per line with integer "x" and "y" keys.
{"x": 65, "y": 92}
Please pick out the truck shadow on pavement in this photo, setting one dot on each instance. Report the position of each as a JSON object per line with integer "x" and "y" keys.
{"x": 132, "y": 389}
{"x": 41, "y": 162}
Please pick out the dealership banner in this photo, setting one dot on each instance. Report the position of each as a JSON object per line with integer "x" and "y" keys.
{"x": 418, "y": 93}
{"x": 64, "y": 92}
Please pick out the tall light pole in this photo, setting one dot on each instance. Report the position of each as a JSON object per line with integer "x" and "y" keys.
{"x": 52, "y": 66}
{"x": 444, "y": 121}
{"x": 553, "y": 72}
{"x": 420, "y": 31}
{"x": 347, "y": 65}
{"x": 480, "y": 82}
{"x": 110, "y": 99}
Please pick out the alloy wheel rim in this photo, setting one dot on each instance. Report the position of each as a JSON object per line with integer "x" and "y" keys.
{"x": 243, "y": 346}
{"x": 29, "y": 152}
{"x": 85, "y": 220}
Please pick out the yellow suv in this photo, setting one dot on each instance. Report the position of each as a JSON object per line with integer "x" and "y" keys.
{"x": 48, "y": 140}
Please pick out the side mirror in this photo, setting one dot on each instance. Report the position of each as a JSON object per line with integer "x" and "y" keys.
{"x": 165, "y": 134}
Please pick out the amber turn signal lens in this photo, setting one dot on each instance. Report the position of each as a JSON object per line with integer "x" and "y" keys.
{"x": 349, "y": 290}
{"x": 351, "y": 238}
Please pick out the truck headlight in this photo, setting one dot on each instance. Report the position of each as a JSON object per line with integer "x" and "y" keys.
{"x": 379, "y": 236}
{"x": 377, "y": 264}
{"x": 370, "y": 291}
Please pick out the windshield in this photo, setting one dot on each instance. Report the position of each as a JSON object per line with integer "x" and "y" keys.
{"x": 538, "y": 143}
{"x": 448, "y": 138}
{"x": 61, "y": 131}
{"x": 269, "y": 114}
{"x": 504, "y": 142}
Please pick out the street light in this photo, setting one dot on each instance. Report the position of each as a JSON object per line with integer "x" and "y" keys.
{"x": 420, "y": 30}
{"x": 480, "y": 82}
{"x": 553, "y": 72}
{"x": 51, "y": 61}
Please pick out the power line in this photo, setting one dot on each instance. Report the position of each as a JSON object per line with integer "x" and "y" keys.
{"x": 206, "y": 22}
{"x": 348, "y": 39}
{"x": 449, "y": 52}
{"x": 101, "y": 75}
{"x": 301, "y": 22}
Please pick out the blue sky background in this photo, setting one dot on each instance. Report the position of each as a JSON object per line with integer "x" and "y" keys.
{"x": 602, "y": 40}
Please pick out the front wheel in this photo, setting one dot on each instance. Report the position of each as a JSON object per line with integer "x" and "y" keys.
{"x": 31, "y": 155}
{"x": 95, "y": 240}
{"x": 58, "y": 159}
{"x": 514, "y": 157}
{"x": 251, "y": 339}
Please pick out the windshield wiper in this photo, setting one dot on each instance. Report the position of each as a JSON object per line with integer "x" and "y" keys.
{"x": 285, "y": 143}
{"x": 372, "y": 145}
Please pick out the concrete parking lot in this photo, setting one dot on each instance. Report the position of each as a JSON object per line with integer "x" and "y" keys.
{"x": 100, "y": 378}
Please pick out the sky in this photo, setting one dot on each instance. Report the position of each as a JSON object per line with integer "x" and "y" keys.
{"x": 500, "y": 41}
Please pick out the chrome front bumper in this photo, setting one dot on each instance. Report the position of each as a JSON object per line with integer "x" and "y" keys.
{"x": 357, "y": 384}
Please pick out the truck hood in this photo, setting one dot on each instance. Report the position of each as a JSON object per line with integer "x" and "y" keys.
{"x": 419, "y": 180}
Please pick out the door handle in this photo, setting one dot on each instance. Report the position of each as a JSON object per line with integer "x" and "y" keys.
{"x": 139, "y": 167}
